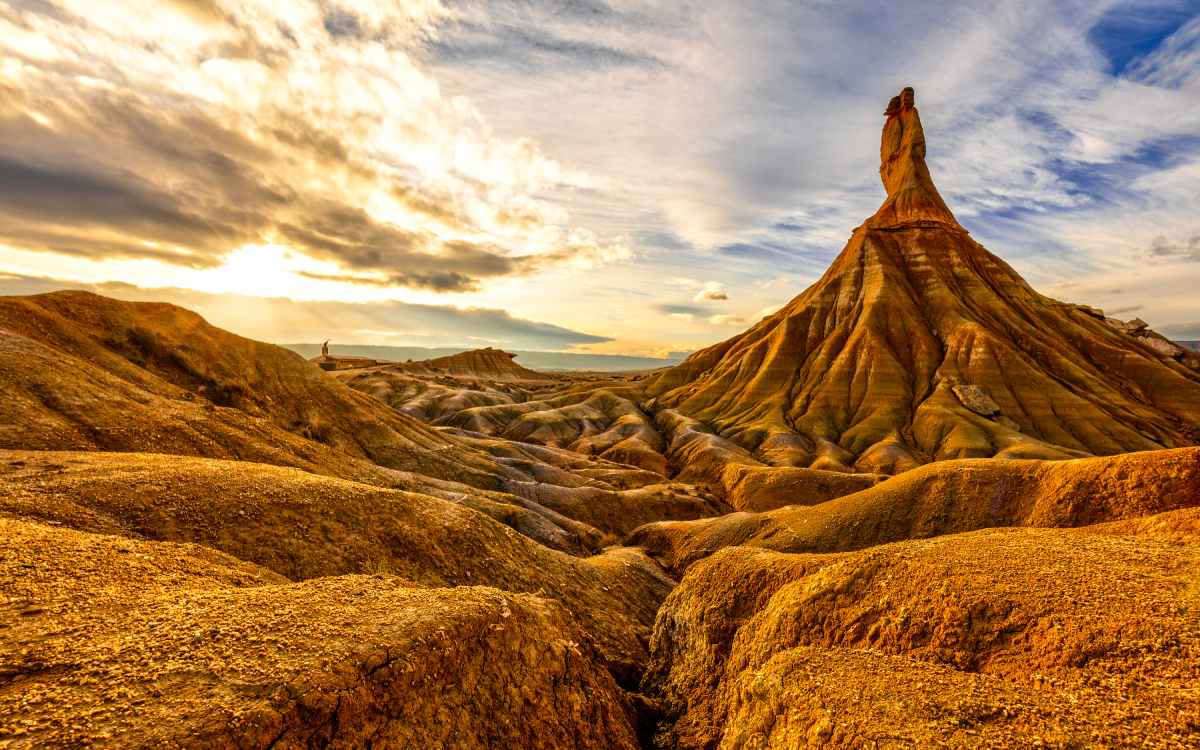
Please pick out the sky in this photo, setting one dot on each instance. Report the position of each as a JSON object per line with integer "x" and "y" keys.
{"x": 605, "y": 176}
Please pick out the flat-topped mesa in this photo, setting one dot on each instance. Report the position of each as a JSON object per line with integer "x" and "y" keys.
{"x": 911, "y": 195}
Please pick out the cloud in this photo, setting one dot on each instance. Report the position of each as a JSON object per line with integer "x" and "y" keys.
{"x": 503, "y": 39}
{"x": 677, "y": 309}
{"x": 201, "y": 10}
{"x": 1124, "y": 310}
{"x": 32, "y": 198}
{"x": 1187, "y": 249}
{"x": 233, "y": 122}
{"x": 281, "y": 320}
{"x": 712, "y": 290}
{"x": 727, "y": 320}
{"x": 765, "y": 122}
{"x": 340, "y": 23}
{"x": 489, "y": 150}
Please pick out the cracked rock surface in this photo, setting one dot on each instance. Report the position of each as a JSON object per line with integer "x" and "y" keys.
{"x": 119, "y": 643}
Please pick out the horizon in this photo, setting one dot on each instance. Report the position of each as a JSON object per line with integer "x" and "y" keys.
{"x": 582, "y": 177}
{"x": 545, "y": 361}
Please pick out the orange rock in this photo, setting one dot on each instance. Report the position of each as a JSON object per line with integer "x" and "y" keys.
{"x": 861, "y": 371}
{"x": 912, "y": 196}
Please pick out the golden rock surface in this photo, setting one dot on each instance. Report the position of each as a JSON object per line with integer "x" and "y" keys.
{"x": 859, "y": 373}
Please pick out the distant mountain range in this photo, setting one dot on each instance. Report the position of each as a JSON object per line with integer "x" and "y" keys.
{"x": 546, "y": 361}
{"x": 1193, "y": 345}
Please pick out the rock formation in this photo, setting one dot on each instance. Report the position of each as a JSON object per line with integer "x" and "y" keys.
{"x": 112, "y": 642}
{"x": 946, "y": 497}
{"x": 304, "y": 526}
{"x": 919, "y": 345}
{"x": 1000, "y": 639}
{"x": 83, "y": 372}
{"x": 911, "y": 195}
{"x": 487, "y": 364}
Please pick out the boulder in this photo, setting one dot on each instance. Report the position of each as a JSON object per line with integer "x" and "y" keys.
{"x": 976, "y": 399}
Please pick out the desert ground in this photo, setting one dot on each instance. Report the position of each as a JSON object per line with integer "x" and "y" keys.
{"x": 922, "y": 505}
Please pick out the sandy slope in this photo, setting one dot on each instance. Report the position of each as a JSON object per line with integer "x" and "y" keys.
{"x": 948, "y": 497}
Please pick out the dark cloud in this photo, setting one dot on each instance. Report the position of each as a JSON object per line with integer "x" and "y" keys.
{"x": 115, "y": 177}
{"x": 581, "y": 10}
{"x": 508, "y": 40}
{"x": 753, "y": 251}
{"x": 438, "y": 281}
{"x": 674, "y": 309}
{"x": 540, "y": 45}
{"x": 51, "y": 203}
{"x": 44, "y": 191}
{"x": 342, "y": 23}
{"x": 668, "y": 241}
{"x": 304, "y": 137}
{"x": 40, "y": 7}
{"x": 1124, "y": 310}
{"x": 351, "y": 237}
{"x": 1183, "y": 249}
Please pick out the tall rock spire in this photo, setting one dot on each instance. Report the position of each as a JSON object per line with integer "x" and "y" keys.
{"x": 919, "y": 345}
{"x": 912, "y": 197}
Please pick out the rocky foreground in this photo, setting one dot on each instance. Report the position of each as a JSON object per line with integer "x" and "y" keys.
{"x": 152, "y": 600}
{"x": 922, "y": 506}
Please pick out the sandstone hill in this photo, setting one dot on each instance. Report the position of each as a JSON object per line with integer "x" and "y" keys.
{"x": 434, "y": 388}
{"x": 920, "y": 345}
{"x": 917, "y": 345}
{"x": 945, "y": 498}
{"x": 85, "y": 372}
{"x": 143, "y": 422}
{"x": 482, "y": 364}
{"x": 90, "y": 372}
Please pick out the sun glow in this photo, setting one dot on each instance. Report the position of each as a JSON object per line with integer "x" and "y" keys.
{"x": 252, "y": 270}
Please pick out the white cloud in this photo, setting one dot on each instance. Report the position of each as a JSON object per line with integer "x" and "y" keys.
{"x": 727, "y": 320}
{"x": 760, "y": 114}
{"x": 711, "y": 291}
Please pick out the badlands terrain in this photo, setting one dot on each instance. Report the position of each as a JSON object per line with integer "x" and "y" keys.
{"x": 922, "y": 505}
